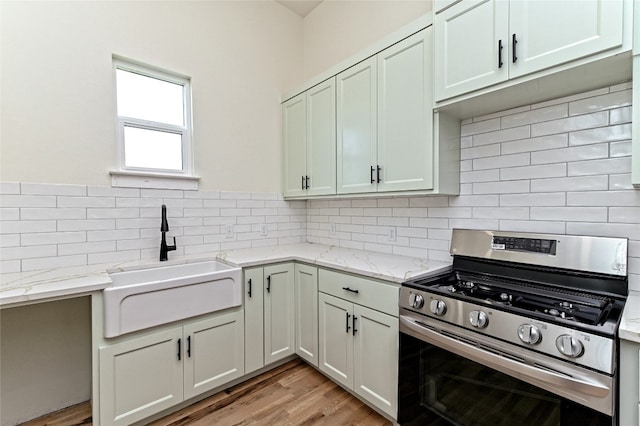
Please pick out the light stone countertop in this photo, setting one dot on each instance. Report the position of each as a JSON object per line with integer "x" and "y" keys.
{"x": 39, "y": 286}
{"x": 630, "y": 324}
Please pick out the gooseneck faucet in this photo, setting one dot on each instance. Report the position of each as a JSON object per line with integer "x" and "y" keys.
{"x": 164, "y": 228}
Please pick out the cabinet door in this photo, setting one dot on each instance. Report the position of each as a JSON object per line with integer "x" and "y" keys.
{"x": 336, "y": 339}
{"x": 306, "y": 282}
{"x": 279, "y": 337}
{"x": 467, "y": 39}
{"x": 405, "y": 114}
{"x": 213, "y": 352}
{"x": 140, "y": 377}
{"x": 321, "y": 138}
{"x": 376, "y": 358}
{"x": 356, "y": 127}
{"x": 253, "y": 319}
{"x": 294, "y": 141}
{"x": 550, "y": 33}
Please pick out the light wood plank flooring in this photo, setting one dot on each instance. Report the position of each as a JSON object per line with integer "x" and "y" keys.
{"x": 292, "y": 394}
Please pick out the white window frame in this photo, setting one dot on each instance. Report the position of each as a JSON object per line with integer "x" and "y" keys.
{"x": 128, "y": 176}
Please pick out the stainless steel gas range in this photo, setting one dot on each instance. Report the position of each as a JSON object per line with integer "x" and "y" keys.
{"x": 521, "y": 331}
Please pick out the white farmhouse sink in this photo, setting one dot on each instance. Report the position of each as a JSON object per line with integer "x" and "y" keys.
{"x": 144, "y": 298}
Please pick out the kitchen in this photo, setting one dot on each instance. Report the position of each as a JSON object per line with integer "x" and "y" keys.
{"x": 561, "y": 164}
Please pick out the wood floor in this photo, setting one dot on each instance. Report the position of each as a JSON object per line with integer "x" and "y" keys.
{"x": 292, "y": 394}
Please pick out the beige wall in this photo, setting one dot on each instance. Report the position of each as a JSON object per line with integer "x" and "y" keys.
{"x": 45, "y": 358}
{"x": 338, "y": 29}
{"x": 57, "y": 99}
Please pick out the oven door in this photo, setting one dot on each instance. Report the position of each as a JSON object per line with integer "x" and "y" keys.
{"x": 451, "y": 376}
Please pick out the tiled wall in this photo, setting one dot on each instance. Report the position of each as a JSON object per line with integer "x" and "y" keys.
{"x": 48, "y": 226}
{"x": 561, "y": 167}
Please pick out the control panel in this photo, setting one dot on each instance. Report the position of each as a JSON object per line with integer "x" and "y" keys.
{"x": 534, "y": 245}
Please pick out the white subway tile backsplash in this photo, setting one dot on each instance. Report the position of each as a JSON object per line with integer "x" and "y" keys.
{"x": 52, "y": 189}
{"x": 10, "y": 213}
{"x": 543, "y": 199}
{"x": 81, "y": 248}
{"x": 624, "y": 214}
{"x": 599, "y": 167}
{"x": 536, "y": 144}
{"x": 535, "y": 116}
{"x": 53, "y": 262}
{"x": 580, "y": 183}
{"x": 42, "y": 238}
{"x": 573, "y": 214}
{"x": 27, "y": 226}
{"x": 598, "y": 103}
{"x": 620, "y": 115}
{"x": 10, "y": 240}
{"x": 480, "y": 127}
{"x": 9, "y": 266}
{"x": 565, "y": 155}
{"x": 560, "y": 166}
{"x": 602, "y": 134}
{"x": 27, "y": 201}
{"x": 620, "y": 149}
{"x": 10, "y": 188}
{"x": 533, "y": 172}
{"x": 512, "y": 160}
{"x": 598, "y": 119}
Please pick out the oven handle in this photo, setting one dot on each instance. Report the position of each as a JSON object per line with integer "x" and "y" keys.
{"x": 504, "y": 364}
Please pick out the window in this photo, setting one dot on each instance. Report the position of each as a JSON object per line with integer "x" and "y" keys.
{"x": 154, "y": 121}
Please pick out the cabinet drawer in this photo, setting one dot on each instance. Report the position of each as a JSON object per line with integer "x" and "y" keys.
{"x": 363, "y": 291}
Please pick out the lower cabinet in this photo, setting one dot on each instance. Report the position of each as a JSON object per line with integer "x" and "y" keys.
{"x": 358, "y": 346}
{"x": 143, "y": 375}
{"x": 306, "y": 310}
{"x": 629, "y": 395}
{"x": 269, "y": 313}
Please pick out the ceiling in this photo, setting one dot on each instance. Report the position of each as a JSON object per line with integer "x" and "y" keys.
{"x": 301, "y": 7}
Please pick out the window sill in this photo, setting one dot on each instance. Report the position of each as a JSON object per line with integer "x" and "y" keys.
{"x": 153, "y": 180}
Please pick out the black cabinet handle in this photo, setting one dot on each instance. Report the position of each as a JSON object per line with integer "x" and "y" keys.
{"x": 249, "y": 282}
{"x": 372, "y": 178}
{"x": 500, "y": 54}
{"x": 189, "y": 346}
{"x": 302, "y": 185}
{"x": 306, "y": 185}
{"x": 269, "y": 284}
{"x": 348, "y": 315}
{"x": 354, "y": 325}
{"x": 179, "y": 349}
{"x": 351, "y": 290}
{"x": 379, "y": 168}
{"x": 513, "y": 51}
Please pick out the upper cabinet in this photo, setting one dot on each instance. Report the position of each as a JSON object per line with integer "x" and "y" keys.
{"x": 479, "y": 43}
{"x": 309, "y": 139}
{"x": 385, "y": 121}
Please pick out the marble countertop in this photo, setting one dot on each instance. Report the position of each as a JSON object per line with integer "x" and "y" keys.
{"x": 630, "y": 324}
{"x": 38, "y": 286}
{"x": 386, "y": 267}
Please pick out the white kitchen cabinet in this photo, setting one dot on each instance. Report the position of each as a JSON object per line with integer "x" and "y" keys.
{"x": 144, "y": 375}
{"x": 384, "y": 120}
{"x": 270, "y": 314}
{"x": 309, "y": 141}
{"x": 358, "y": 344}
{"x": 253, "y": 319}
{"x": 479, "y": 43}
{"x": 635, "y": 123}
{"x": 306, "y": 312}
{"x": 405, "y": 114}
{"x": 279, "y": 336}
{"x": 629, "y": 383}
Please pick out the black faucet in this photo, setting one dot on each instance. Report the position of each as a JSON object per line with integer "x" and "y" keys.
{"x": 164, "y": 228}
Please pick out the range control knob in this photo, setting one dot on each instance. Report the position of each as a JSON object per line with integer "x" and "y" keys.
{"x": 416, "y": 300}
{"x": 529, "y": 333}
{"x": 438, "y": 307}
{"x": 478, "y": 319}
{"x": 569, "y": 346}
